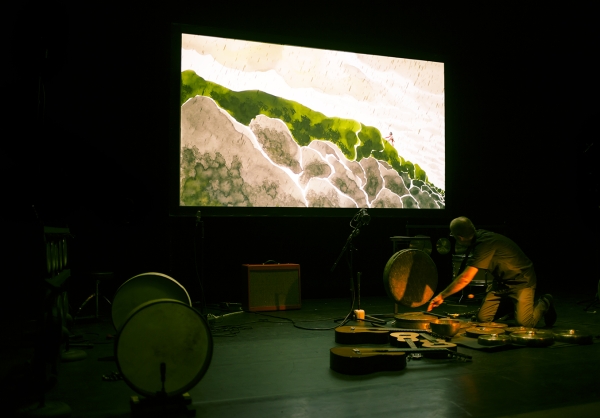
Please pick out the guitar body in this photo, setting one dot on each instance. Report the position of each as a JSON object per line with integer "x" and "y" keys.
{"x": 348, "y": 360}
{"x": 357, "y": 361}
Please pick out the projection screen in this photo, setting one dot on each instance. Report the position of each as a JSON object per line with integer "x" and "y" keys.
{"x": 278, "y": 126}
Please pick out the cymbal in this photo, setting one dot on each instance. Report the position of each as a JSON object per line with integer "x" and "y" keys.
{"x": 475, "y": 332}
{"x": 572, "y": 336}
{"x": 443, "y": 246}
{"x": 493, "y": 339}
{"x": 539, "y": 338}
{"x": 509, "y": 330}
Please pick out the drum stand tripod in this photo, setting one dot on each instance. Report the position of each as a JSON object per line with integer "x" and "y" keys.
{"x": 97, "y": 276}
{"x": 160, "y": 404}
{"x": 361, "y": 218}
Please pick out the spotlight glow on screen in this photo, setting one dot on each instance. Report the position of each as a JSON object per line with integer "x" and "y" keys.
{"x": 267, "y": 125}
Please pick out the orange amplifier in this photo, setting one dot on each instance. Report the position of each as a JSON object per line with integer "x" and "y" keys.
{"x": 272, "y": 287}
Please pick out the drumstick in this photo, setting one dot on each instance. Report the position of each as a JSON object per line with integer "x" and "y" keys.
{"x": 435, "y": 314}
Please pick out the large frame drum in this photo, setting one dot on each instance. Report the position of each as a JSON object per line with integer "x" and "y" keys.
{"x": 167, "y": 339}
{"x": 410, "y": 277}
{"x": 144, "y": 288}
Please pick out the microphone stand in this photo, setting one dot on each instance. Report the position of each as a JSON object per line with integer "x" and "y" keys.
{"x": 361, "y": 218}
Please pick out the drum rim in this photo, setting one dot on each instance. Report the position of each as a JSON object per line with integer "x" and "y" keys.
{"x": 386, "y": 280}
{"x": 150, "y": 273}
{"x": 201, "y": 372}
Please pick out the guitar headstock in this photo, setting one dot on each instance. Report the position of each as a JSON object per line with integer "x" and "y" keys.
{"x": 413, "y": 336}
{"x": 439, "y": 343}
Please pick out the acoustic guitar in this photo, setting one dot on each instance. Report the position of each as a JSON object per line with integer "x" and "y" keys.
{"x": 366, "y": 335}
{"x": 349, "y": 360}
{"x": 355, "y": 361}
{"x": 415, "y": 341}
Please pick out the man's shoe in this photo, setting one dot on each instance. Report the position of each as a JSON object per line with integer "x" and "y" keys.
{"x": 550, "y": 314}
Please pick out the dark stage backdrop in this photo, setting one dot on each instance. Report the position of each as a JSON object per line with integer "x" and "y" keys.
{"x": 517, "y": 129}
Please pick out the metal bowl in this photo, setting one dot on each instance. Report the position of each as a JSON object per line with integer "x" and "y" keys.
{"x": 414, "y": 320}
{"x": 494, "y": 340}
{"x": 572, "y": 336}
{"x": 539, "y": 338}
{"x": 510, "y": 330}
{"x": 445, "y": 327}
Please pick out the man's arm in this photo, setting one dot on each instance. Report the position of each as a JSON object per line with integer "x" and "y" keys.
{"x": 457, "y": 285}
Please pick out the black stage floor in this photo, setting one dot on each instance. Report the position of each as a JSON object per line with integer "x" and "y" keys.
{"x": 264, "y": 366}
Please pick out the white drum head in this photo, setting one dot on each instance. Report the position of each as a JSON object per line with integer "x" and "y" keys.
{"x": 144, "y": 288}
{"x": 164, "y": 331}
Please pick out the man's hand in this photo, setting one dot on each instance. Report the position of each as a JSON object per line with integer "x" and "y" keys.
{"x": 435, "y": 302}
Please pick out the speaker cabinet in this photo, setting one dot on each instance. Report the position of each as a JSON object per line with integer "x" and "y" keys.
{"x": 272, "y": 287}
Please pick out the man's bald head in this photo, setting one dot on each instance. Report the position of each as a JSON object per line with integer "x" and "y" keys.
{"x": 462, "y": 227}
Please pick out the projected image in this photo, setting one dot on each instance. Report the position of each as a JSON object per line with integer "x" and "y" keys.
{"x": 265, "y": 125}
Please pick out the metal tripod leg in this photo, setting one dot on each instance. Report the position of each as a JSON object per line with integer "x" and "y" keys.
{"x": 97, "y": 296}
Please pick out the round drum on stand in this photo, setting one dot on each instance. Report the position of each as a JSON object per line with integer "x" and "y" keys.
{"x": 163, "y": 339}
{"x": 410, "y": 277}
{"x": 144, "y": 288}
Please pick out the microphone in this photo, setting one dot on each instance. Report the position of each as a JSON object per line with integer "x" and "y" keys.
{"x": 366, "y": 218}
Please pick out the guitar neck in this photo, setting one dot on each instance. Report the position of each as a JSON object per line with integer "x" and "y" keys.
{"x": 420, "y": 350}
{"x": 420, "y": 331}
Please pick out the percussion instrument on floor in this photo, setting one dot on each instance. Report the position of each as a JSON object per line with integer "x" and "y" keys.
{"x": 414, "y": 320}
{"x": 475, "y": 332}
{"x": 445, "y": 327}
{"x": 539, "y": 338}
{"x": 492, "y": 325}
{"x": 494, "y": 340}
{"x": 572, "y": 336}
{"x": 410, "y": 277}
{"x": 163, "y": 348}
{"x": 510, "y": 330}
{"x": 144, "y": 288}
